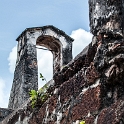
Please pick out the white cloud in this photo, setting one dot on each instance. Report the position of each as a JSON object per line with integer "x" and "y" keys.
{"x": 3, "y": 96}
{"x": 12, "y": 59}
{"x": 81, "y": 39}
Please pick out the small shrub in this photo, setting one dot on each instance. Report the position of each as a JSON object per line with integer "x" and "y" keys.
{"x": 39, "y": 97}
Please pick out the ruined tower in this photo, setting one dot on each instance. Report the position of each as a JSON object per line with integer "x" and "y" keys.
{"x": 26, "y": 71}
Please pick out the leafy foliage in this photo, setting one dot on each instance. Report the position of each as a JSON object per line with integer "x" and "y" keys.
{"x": 39, "y": 97}
{"x": 33, "y": 97}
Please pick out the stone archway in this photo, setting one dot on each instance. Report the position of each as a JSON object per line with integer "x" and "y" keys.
{"x": 54, "y": 46}
{"x": 26, "y": 71}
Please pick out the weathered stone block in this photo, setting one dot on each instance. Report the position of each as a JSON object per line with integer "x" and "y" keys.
{"x": 90, "y": 120}
{"x": 66, "y": 91}
{"x": 4, "y": 113}
{"x": 113, "y": 114}
{"x": 106, "y": 16}
{"x": 52, "y": 103}
{"x": 89, "y": 102}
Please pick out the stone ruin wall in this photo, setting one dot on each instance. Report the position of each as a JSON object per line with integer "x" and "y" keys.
{"x": 91, "y": 86}
{"x": 80, "y": 93}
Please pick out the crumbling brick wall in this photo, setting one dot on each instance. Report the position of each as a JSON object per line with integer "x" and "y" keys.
{"x": 80, "y": 92}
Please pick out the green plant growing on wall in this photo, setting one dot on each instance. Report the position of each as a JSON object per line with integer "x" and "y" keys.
{"x": 82, "y": 122}
{"x": 39, "y": 97}
{"x": 33, "y": 97}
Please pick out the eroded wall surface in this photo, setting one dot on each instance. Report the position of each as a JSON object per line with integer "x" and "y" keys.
{"x": 106, "y": 16}
{"x": 4, "y": 112}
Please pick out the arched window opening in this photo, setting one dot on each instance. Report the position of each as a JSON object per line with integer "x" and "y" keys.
{"x": 45, "y": 65}
{"x": 53, "y": 45}
{"x": 48, "y": 57}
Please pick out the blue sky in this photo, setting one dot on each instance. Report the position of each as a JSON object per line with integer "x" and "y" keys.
{"x": 71, "y": 16}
